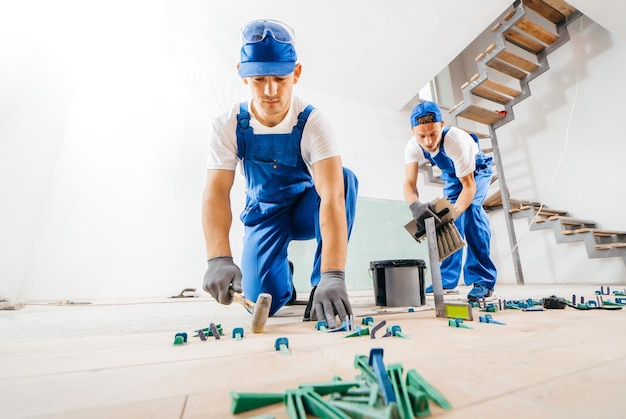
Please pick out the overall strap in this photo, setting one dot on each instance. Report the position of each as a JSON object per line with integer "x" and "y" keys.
{"x": 243, "y": 128}
{"x": 303, "y": 117}
{"x": 444, "y": 132}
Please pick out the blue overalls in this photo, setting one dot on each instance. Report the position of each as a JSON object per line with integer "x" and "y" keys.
{"x": 281, "y": 205}
{"x": 473, "y": 223}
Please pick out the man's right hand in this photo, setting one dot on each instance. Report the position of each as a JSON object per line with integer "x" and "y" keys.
{"x": 221, "y": 275}
{"x": 422, "y": 211}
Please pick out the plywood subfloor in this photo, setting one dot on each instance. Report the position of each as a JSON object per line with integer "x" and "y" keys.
{"x": 116, "y": 358}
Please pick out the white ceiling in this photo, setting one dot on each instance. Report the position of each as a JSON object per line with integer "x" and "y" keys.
{"x": 608, "y": 13}
{"x": 373, "y": 51}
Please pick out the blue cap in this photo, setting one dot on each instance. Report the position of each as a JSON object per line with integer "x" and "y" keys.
{"x": 423, "y": 109}
{"x": 267, "y": 58}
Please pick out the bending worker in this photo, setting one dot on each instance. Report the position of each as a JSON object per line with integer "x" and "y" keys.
{"x": 296, "y": 189}
{"x": 467, "y": 173}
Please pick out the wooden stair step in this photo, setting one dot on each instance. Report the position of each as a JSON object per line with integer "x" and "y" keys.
{"x": 517, "y": 61}
{"x": 571, "y": 221}
{"x": 555, "y": 212}
{"x": 480, "y": 135}
{"x": 498, "y": 87}
{"x": 553, "y": 10}
{"x": 609, "y": 246}
{"x": 596, "y": 232}
{"x": 506, "y": 68}
{"x": 509, "y": 58}
{"x": 479, "y": 114}
{"x": 523, "y": 41}
{"x": 492, "y": 90}
{"x": 493, "y": 200}
{"x": 525, "y": 202}
{"x": 489, "y": 94}
{"x": 548, "y": 212}
{"x": 562, "y": 7}
{"x": 536, "y": 31}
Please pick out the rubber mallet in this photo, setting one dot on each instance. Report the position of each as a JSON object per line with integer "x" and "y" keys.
{"x": 260, "y": 310}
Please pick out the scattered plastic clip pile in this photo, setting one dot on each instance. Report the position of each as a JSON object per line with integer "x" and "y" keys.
{"x": 379, "y": 391}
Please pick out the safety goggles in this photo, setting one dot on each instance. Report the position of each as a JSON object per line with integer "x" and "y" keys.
{"x": 257, "y": 30}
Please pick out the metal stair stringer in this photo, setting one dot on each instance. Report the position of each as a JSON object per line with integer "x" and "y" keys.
{"x": 598, "y": 243}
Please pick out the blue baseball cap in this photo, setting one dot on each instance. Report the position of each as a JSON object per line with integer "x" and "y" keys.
{"x": 423, "y": 109}
{"x": 268, "y": 49}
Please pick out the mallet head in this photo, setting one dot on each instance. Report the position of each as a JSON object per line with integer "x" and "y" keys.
{"x": 261, "y": 312}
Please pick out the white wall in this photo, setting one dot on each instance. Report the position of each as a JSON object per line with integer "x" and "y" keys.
{"x": 103, "y": 144}
{"x": 103, "y": 140}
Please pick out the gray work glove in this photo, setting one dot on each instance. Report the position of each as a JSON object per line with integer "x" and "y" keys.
{"x": 221, "y": 275}
{"x": 422, "y": 211}
{"x": 330, "y": 298}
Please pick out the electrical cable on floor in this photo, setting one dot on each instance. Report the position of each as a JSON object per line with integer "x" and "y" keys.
{"x": 565, "y": 145}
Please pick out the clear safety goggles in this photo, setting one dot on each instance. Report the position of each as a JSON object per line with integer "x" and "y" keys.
{"x": 257, "y": 30}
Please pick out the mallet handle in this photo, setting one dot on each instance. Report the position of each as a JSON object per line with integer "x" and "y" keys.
{"x": 238, "y": 298}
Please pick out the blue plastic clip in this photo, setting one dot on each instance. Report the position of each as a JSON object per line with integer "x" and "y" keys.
{"x": 488, "y": 319}
{"x": 376, "y": 362}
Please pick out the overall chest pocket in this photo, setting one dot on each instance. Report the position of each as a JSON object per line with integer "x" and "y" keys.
{"x": 278, "y": 150}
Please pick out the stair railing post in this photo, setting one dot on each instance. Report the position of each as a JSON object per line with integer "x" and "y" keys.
{"x": 506, "y": 205}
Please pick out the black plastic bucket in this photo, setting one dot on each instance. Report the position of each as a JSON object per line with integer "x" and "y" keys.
{"x": 399, "y": 283}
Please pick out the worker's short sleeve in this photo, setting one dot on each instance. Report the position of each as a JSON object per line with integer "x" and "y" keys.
{"x": 223, "y": 142}
{"x": 413, "y": 153}
{"x": 462, "y": 149}
{"x": 319, "y": 139}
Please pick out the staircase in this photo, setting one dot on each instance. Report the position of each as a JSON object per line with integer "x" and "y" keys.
{"x": 599, "y": 243}
{"x": 524, "y": 37}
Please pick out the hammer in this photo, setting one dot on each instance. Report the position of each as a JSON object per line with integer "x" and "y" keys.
{"x": 260, "y": 311}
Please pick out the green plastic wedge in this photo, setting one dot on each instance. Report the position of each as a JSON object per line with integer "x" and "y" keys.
{"x": 402, "y": 396}
{"x": 331, "y": 387}
{"x": 419, "y": 401}
{"x": 360, "y": 411}
{"x": 414, "y": 379}
{"x": 242, "y": 402}
{"x": 317, "y": 406}
{"x": 295, "y": 405}
{"x": 361, "y": 362}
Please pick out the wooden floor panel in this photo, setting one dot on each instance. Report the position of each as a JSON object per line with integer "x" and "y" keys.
{"x": 556, "y": 363}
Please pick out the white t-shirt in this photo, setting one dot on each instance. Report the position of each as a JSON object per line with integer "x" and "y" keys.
{"x": 459, "y": 146}
{"x": 319, "y": 140}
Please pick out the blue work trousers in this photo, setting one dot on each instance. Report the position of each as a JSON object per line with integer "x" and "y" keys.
{"x": 270, "y": 227}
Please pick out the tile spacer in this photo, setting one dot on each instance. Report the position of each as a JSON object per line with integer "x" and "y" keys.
{"x": 282, "y": 345}
{"x": 180, "y": 338}
{"x": 458, "y": 323}
{"x": 358, "y": 331}
{"x": 237, "y": 333}
{"x": 396, "y": 330}
{"x": 214, "y": 330}
{"x": 342, "y": 328}
{"x": 321, "y": 325}
{"x": 488, "y": 319}
{"x": 201, "y": 334}
{"x": 376, "y": 363}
